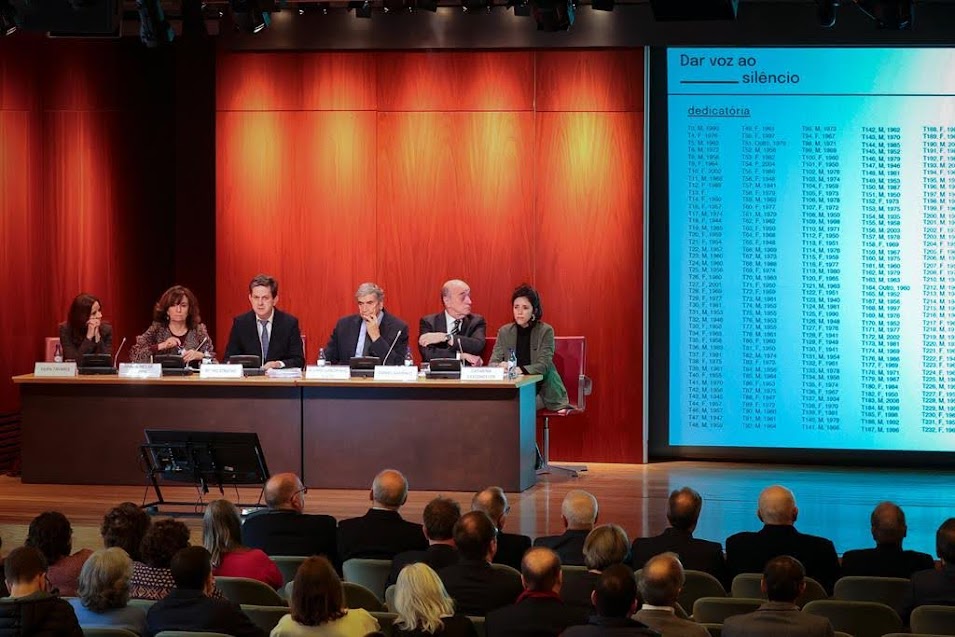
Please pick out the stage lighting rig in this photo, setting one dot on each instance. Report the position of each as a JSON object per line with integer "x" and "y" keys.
{"x": 8, "y": 18}
{"x": 894, "y": 15}
{"x": 248, "y": 16}
{"x": 553, "y": 15}
{"x": 154, "y": 28}
{"x": 827, "y": 11}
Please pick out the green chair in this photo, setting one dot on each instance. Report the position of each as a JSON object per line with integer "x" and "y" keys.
{"x": 357, "y": 596}
{"x": 288, "y": 565}
{"x": 861, "y": 619}
{"x": 572, "y": 572}
{"x": 188, "y": 633}
{"x": 265, "y": 617}
{"x": 243, "y": 590}
{"x": 145, "y": 604}
{"x": 479, "y": 627}
{"x": 512, "y": 572}
{"x": 372, "y": 574}
{"x": 715, "y": 610}
{"x": 108, "y": 632}
{"x": 390, "y": 597}
{"x": 385, "y": 621}
{"x": 938, "y": 620}
{"x": 890, "y": 591}
{"x": 839, "y": 633}
{"x": 699, "y": 584}
{"x": 715, "y": 630}
{"x": 747, "y": 585}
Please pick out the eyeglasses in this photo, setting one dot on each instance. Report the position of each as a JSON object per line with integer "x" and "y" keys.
{"x": 303, "y": 491}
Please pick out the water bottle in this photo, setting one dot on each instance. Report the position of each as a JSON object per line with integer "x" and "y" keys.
{"x": 511, "y": 364}
{"x": 206, "y": 358}
{"x": 409, "y": 362}
{"x": 58, "y": 353}
{"x": 321, "y": 362}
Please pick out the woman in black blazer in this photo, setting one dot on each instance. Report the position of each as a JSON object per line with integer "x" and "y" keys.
{"x": 84, "y": 331}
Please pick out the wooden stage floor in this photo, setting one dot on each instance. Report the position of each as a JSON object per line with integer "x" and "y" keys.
{"x": 834, "y": 502}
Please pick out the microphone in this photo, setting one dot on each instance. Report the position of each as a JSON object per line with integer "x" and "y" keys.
{"x": 461, "y": 353}
{"x": 199, "y": 346}
{"x": 393, "y": 343}
{"x": 116, "y": 357}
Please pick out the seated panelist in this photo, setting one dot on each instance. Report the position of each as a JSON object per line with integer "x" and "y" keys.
{"x": 266, "y": 331}
{"x": 371, "y": 332}
{"x": 84, "y": 331}
{"x": 177, "y": 328}
{"x": 455, "y": 330}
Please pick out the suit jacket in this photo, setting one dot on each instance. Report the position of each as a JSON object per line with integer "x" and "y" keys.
{"x": 695, "y": 554}
{"x": 344, "y": 339}
{"x": 287, "y": 532}
{"x": 192, "y": 611}
{"x": 778, "y": 619}
{"x": 477, "y": 588}
{"x": 511, "y": 548}
{"x": 437, "y": 556}
{"x": 569, "y": 546}
{"x": 379, "y": 534}
{"x": 576, "y": 590}
{"x": 599, "y": 626}
{"x": 38, "y": 615}
{"x": 471, "y": 336}
{"x": 748, "y": 552}
{"x": 285, "y": 341}
{"x": 885, "y": 561}
{"x": 669, "y": 625}
{"x": 930, "y": 587}
{"x": 534, "y": 617}
{"x": 74, "y": 352}
{"x": 552, "y": 390}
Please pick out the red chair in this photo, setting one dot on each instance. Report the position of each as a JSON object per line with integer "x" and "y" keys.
{"x": 49, "y": 345}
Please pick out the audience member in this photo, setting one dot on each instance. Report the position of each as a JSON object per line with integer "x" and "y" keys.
{"x": 605, "y": 546}
{"x": 783, "y": 582}
{"x": 285, "y": 529}
{"x": 579, "y": 514}
{"x": 152, "y": 578}
{"x": 887, "y": 559}
{"x": 222, "y": 537}
{"x": 3, "y": 585}
{"x": 661, "y": 582}
{"x": 381, "y": 533}
{"x": 933, "y": 586}
{"x": 683, "y": 513}
{"x": 440, "y": 516}
{"x": 124, "y": 526}
{"x": 317, "y": 607}
{"x": 538, "y": 611}
{"x": 104, "y": 592}
{"x": 615, "y": 600}
{"x": 510, "y": 546}
{"x": 748, "y": 552}
{"x": 188, "y": 607}
{"x": 475, "y": 586}
{"x": 52, "y": 534}
{"x": 30, "y": 609}
{"x": 424, "y": 606}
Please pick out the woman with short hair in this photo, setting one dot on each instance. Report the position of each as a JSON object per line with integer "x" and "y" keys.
{"x": 51, "y": 533}
{"x": 152, "y": 577}
{"x": 124, "y": 526}
{"x": 177, "y": 328}
{"x": 605, "y": 546}
{"x": 424, "y": 607}
{"x": 104, "y": 593}
{"x": 222, "y": 537}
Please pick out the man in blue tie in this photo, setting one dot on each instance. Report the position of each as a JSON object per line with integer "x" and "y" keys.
{"x": 266, "y": 331}
{"x": 371, "y": 332}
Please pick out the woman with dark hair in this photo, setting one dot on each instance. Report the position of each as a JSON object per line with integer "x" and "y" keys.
{"x": 152, "y": 578}
{"x": 52, "y": 535}
{"x": 532, "y": 341}
{"x": 124, "y": 526}
{"x": 103, "y": 593}
{"x": 222, "y": 537}
{"x": 177, "y": 328}
{"x": 84, "y": 331}
{"x": 318, "y": 606}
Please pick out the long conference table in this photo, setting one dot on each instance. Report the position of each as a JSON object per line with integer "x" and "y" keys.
{"x": 442, "y": 434}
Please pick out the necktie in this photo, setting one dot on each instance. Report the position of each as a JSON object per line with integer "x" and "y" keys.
{"x": 265, "y": 340}
{"x": 456, "y": 327}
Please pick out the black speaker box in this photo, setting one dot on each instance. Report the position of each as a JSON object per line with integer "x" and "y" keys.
{"x": 670, "y": 10}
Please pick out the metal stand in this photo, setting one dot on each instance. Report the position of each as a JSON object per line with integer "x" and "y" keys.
{"x": 547, "y": 467}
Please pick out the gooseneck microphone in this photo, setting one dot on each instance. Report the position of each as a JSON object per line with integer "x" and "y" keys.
{"x": 393, "y": 343}
{"x": 120, "y": 349}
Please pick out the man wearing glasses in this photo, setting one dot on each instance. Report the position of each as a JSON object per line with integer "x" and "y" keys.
{"x": 510, "y": 546}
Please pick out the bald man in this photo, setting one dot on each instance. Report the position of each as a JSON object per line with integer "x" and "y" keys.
{"x": 661, "y": 582}
{"x": 510, "y": 546}
{"x": 748, "y": 552}
{"x": 887, "y": 559}
{"x": 455, "y": 330}
{"x": 578, "y": 512}
{"x": 382, "y": 533}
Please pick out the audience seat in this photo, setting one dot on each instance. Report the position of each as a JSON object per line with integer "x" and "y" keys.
{"x": 243, "y": 590}
{"x": 937, "y": 620}
{"x": 49, "y": 346}
{"x": 507, "y": 569}
{"x": 747, "y": 585}
{"x": 288, "y": 565}
{"x": 385, "y": 621}
{"x": 890, "y": 591}
{"x": 912, "y": 635}
{"x": 187, "y": 633}
{"x": 572, "y": 571}
{"x": 145, "y": 604}
{"x": 265, "y": 617}
{"x": 479, "y": 627}
{"x": 715, "y": 630}
{"x": 372, "y": 574}
{"x": 108, "y": 632}
{"x": 390, "y": 597}
{"x": 860, "y": 619}
{"x": 357, "y": 596}
{"x": 715, "y": 610}
{"x": 699, "y": 584}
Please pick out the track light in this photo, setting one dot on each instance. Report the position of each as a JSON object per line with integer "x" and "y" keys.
{"x": 476, "y": 6}
{"x": 521, "y": 8}
{"x": 553, "y": 15}
{"x": 889, "y": 14}
{"x": 249, "y": 16}
{"x": 362, "y": 8}
{"x": 826, "y": 11}
{"x": 8, "y": 18}
{"x": 154, "y": 28}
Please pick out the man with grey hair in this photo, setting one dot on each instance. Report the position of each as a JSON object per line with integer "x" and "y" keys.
{"x": 266, "y": 331}
{"x": 510, "y": 546}
{"x": 748, "y": 552}
{"x": 382, "y": 533}
{"x": 887, "y": 559}
{"x": 455, "y": 331}
{"x": 371, "y": 332}
{"x": 660, "y": 584}
{"x": 578, "y": 512}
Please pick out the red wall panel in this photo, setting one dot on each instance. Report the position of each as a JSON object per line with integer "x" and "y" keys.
{"x": 590, "y": 80}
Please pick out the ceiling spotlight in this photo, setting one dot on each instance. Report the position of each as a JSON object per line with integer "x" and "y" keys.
{"x": 889, "y": 14}
{"x": 553, "y": 15}
{"x": 8, "y": 18}
{"x": 475, "y": 6}
{"x": 521, "y": 8}
{"x": 602, "y": 5}
{"x": 249, "y": 16}
{"x": 362, "y": 8}
{"x": 826, "y": 11}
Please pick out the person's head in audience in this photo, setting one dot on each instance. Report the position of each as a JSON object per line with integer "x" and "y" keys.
{"x": 579, "y": 511}
{"x": 662, "y": 580}
{"x": 605, "y": 546}
{"x": 51, "y": 533}
{"x": 263, "y": 294}
{"x": 456, "y": 295}
{"x": 540, "y": 570}
{"x": 177, "y": 304}
{"x": 683, "y": 509}
{"x": 124, "y": 526}
{"x": 389, "y": 490}
{"x": 493, "y": 502}
{"x": 317, "y": 594}
{"x": 192, "y": 570}
{"x": 615, "y": 594}
{"x": 83, "y": 308}
{"x": 440, "y": 516}
{"x": 945, "y": 541}
{"x": 784, "y": 579}
{"x": 104, "y": 580}
{"x": 163, "y": 539}
{"x": 421, "y": 599}
{"x": 888, "y": 524}
{"x": 285, "y": 491}
{"x": 777, "y": 506}
{"x": 476, "y": 537}
{"x": 221, "y": 529}
{"x": 24, "y": 571}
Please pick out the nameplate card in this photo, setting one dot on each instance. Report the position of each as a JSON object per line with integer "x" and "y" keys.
{"x": 220, "y": 370}
{"x": 140, "y": 370}
{"x": 482, "y": 373}
{"x": 396, "y": 372}
{"x": 54, "y": 370}
{"x": 327, "y": 372}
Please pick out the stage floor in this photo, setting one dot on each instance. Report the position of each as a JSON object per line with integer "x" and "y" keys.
{"x": 834, "y": 502}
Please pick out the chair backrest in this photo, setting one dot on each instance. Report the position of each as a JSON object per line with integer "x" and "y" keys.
{"x": 243, "y": 590}
{"x": 189, "y": 633}
{"x": 49, "y": 345}
{"x": 145, "y": 604}
{"x": 747, "y": 585}
{"x": 108, "y": 632}
{"x": 479, "y": 626}
{"x": 288, "y": 565}
{"x": 715, "y": 630}
{"x": 570, "y": 359}
{"x": 939, "y": 620}
{"x": 572, "y": 572}
{"x": 714, "y": 610}
{"x": 390, "y": 597}
{"x": 372, "y": 574}
{"x": 386, "y": 621}
{"x": 890, "y": 591}
{"x": 511, "y": 571}
{"x": 861, "y": 619}
{"x": 265, "y": 617}
{"x": 357, "y": 596}
{"x": 699, "y": 584}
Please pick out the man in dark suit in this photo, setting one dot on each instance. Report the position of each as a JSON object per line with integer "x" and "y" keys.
{"x": 887, "y": 559}
{"x": 455, "y": 330}
{"x": 285, "y": 529}
{"x": 475, "y": 586}
{"x": 578, "y": 512}
{"x": 683, "y": 513}
{"x": 371, "y": 332}
{"x": 440, "y": 516}
{"x": 266, "y": 331}
{"x": 748, "y": 552}
{"x": 510, "y": 546}
{"x": 30, "y": 609}
{"x": 189, "y": 607}
{"x": 660, "y": 585}
{"x": 783, "y": 582}
{"x": 381, "y": 533}
{"x": 615, "y": 599}
{"x": 934, "y": 586}
{"x": 538, "y": 611}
